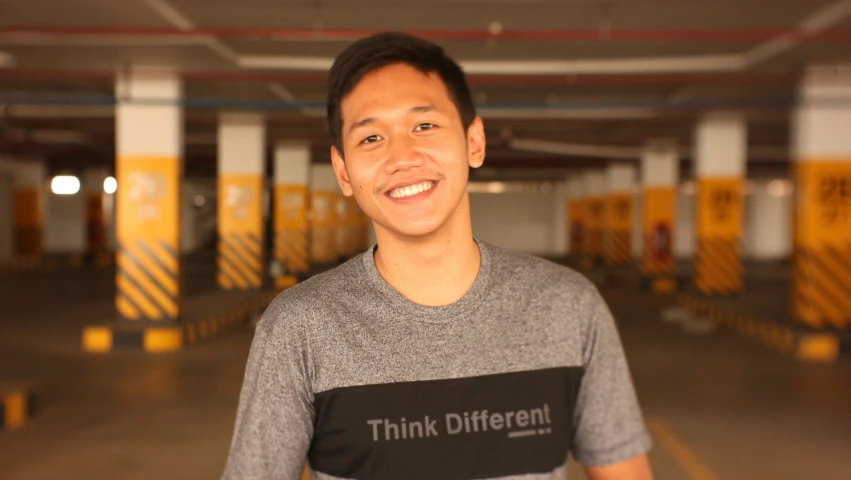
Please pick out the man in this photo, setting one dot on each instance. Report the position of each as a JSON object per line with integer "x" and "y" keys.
{"x": 433, "y": 355}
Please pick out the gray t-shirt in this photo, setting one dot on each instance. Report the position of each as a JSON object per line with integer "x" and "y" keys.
{"x": 349, "y": 374}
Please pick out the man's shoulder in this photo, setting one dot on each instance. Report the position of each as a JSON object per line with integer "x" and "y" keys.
{"x": 313, "y": 295}
{"x": 530, "y": 271}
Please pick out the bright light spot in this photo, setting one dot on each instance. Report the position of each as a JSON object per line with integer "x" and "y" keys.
{"x": 110, "y": 185}
{"x": 495, "y": 28}
{"x": 688, "y": 188}
{"x": 779, "y": 188}
{"x": 200, "y": 201}
{"x": 65, "y": 185}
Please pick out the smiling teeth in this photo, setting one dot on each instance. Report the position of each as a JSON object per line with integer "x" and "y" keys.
{"x": 411, "y": 190}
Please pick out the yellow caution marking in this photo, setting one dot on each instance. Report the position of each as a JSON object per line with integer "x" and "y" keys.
{"x": 154, "y": 267}
{"x": 126, "y": 308}
{"x": 162, "y": 339}
{"x": 15, "y": 406}
{"x": 238, "y": 255}
{"x": 136, "y": 295}
{"x": 718, "y": 267}
{"x": 821, "y": 347}
{"x": 97, "y": 339}
{"x": 132, "y": 269}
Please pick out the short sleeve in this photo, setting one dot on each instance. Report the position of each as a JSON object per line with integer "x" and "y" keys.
{"x": 274, "y": 420}
{"x": 608, "y": 423}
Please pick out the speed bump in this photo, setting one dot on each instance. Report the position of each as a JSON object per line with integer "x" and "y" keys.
{"x": 803, "y": 344}
{"x": 158, "y": 339}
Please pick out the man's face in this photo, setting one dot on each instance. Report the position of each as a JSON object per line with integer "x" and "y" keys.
{"x": 406, "y": 151}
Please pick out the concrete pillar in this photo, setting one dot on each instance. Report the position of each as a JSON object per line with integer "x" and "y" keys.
{"x": 95, "y": 214}
{"x": 30, "y": 208}
{"x": 242, "y": 155}
{"x": 324, "y": 192}
{"x": 291, "y": 206}
{"x": 576, "y": 213}
{"x": 720, "y": 157}
{"x": 594, "y": 218}
{"x": 620, "y": 188}
{"x": 561, "y": 219}
{"x": 821, "y": 149}
{"x": 149, "y": 171}
{"x": 660, "y": 175}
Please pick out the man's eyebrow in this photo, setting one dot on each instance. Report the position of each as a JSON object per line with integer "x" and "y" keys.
{"x": 368, "y": 120}
{"x": 422, "y": 109}
{"x": 361, "y": 123}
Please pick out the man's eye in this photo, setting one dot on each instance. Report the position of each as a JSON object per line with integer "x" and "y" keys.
{"x": 424, "y": 126}
{"x": 371, "y": 139}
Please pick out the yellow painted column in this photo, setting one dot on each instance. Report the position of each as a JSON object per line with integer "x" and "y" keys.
{"x": 822, "y": 169}
{"x": 344, "y": 236}
{"x": 620, "y": 182}
{"x": 660, "y": 174}
{"x": 29, "y": 199}
{"x": 720, "y": 166}
{"x": 324, "y": 221}
{"x": 149, "y": 171}
{"x": 242, "y": 155}
{"x": 594, "y": 219}
{"x": 291, "y": 206}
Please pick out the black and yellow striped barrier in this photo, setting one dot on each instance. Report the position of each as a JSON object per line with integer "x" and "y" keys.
{"x": 153, "y": 339}
{"x": 16, "y": 408}
{"x": 803, "y": 345}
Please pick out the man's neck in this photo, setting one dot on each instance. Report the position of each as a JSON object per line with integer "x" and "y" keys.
{"x": 434, "y": 271}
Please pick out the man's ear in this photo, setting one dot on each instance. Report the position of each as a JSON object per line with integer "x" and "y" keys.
{"x": 341, "y": 172}
{"x": 476, "y": 143}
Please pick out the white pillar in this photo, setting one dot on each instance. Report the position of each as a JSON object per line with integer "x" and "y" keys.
{"x": 620, "y": 206}
{"x": 291, "y": 206}
{"x": 821, "y": 149}
{"x": 242, "y": 164}
{"x": 149, "y": 170}
{"x": 660, "y": 177}
{"x": 720, "y": 157}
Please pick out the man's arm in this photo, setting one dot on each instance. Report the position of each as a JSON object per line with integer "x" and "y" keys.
{"x": 611, "y": 439}
{"x": 637, "y": 468}
{"x": 274, "y": 420}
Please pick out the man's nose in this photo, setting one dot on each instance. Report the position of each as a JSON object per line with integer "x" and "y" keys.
{"x": 403, "y": 155}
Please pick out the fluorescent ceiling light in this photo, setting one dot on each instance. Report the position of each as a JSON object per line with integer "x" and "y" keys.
{"x": 65, "y": 185}
{"x": 110, "y": 185}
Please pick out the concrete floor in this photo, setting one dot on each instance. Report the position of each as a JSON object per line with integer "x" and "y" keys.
{"x": 719, "y": 406}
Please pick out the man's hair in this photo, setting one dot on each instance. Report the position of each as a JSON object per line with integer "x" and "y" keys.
{"x": 388, "y": 48}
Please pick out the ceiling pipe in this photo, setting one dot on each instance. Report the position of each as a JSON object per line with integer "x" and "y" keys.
{"x": 701, "y": 79}
{"x": 742, "y": 35}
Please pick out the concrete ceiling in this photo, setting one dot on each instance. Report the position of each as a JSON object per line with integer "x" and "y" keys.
{"x": 592, "y": 72}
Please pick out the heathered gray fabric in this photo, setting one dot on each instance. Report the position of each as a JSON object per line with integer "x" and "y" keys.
{"x": 349, "y": 327}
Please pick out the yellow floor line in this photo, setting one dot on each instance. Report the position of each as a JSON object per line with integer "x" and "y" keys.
{"x": 694, "y": 468}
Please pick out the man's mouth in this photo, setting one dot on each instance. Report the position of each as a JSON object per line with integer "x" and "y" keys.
{"x": 411, "y": 190}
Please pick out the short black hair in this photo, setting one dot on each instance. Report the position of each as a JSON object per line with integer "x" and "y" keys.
{"x": 388, "y": 48}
